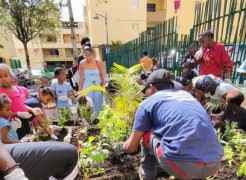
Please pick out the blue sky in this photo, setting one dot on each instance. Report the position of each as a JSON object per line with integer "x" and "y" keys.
{"x": 77, "y": 6}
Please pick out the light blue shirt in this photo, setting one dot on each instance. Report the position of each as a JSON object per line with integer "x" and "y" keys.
{"x": 12, "y": 133}
{"x": 61, "y": 90}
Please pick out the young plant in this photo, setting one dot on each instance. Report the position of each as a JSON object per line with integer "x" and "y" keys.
{"x": 91, "y": 154}
{"x": 87, "y": 113}
{"x": 64, "y": 115}
{"x": 242, "y": 170}
{"x": 113, "y": 128}
{"x": 229, "y": 154}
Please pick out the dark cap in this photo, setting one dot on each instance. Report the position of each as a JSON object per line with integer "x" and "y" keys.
{"x": 204, "y": 83}
{"x": 183, "y": 80}
{"x": 159, "y": 76}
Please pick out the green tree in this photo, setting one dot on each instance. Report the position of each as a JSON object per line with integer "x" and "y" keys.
{"x": 28, "y": 19}
{"x": 116, "y": 44}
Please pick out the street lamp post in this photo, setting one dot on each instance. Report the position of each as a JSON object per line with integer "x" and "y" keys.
{"x": 108, "y": 63}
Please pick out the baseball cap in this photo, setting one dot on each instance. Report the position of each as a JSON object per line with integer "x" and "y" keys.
{"x": 183, "y": 80}
{"x": 159, "y": 76}
{"x": 204, "y": 83}
{"x": 242, "y": 68}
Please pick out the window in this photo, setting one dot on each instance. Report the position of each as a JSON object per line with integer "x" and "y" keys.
{"x": 151, "y": 7}
{"x": 134, "y": 4}
{"x": 135, "y": 28}
{"x": 54, "y": 52}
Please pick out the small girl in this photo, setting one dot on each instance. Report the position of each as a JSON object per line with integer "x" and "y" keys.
{"x": 62, "y": 90}
{"x": 8, "y": 133}
{"x": 17, "y": 95}
{"x": 44, "y": 96}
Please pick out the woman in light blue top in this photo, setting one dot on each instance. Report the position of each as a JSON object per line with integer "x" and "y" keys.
{"x": 90, "y": 73}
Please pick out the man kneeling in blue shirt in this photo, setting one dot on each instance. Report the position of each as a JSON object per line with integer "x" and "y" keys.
{"x": 176, "y": 130}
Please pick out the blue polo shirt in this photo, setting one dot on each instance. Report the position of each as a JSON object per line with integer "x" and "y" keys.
{"x": 12, "y": 133}
{"x": 184, "y": 125}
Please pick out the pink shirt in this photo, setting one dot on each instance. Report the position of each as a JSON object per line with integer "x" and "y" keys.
{"x": 17, "y": 96}
{"x": 214, "y": 60}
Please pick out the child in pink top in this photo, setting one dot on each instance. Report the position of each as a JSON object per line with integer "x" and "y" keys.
{"x": 17, "y": 95}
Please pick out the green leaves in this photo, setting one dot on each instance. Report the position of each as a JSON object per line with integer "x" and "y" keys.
{"x": 64, "y": 115}
{"x": 97, "y": 156}
{"x": 29, "y": 19}
{"x": 242, "y": 170}
{"x": 229, "y": 154}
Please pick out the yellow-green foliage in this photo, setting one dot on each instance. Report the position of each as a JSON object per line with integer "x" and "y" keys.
{"x": 116, "y": 121}
{"x": 125, "y": 100}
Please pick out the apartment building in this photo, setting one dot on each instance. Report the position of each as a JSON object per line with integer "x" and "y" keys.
{"x": 52, "y": 50}
{"x": 125, "y": 18}
{"x": 156, "y": 12}
{"x": 7, "y": 49}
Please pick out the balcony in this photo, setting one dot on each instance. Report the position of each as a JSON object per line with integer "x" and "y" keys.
{"x": 48, "y": 39}
{"x": 156, "y": 17}
{"x": 67, "y": 38}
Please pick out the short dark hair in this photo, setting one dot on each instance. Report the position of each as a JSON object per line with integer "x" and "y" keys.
{"x": 193, "y": 45}
{"x": 145, "y": 53}
{"x": 163, "y": 86}
{"x": 82, "y": 100}
{"x": 46, "y": 91}
{"x": 84, "y": 40}
{"x": 88, "y": 48}
{"x": 235, "y": 97}
{"x": 4, "y": 99}
{"x": 57, "y": 71}
{"x": 208, "y": 33}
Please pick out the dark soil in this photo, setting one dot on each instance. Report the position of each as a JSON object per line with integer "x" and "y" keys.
{"x": 125, "y": 167}
{"x": 68, "y": 123}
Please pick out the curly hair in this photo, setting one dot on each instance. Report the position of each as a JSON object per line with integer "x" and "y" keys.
{"x": 46, "y": 91}
{"x": 4, "y": 99}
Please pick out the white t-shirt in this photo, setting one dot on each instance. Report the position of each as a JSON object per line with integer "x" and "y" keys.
{"x": 220, "y": 91}
{"x": 89, "y": 102}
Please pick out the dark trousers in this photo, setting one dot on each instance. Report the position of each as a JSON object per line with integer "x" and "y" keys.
{"x": 40, "y": 160}
{"x": 25, "y": 128}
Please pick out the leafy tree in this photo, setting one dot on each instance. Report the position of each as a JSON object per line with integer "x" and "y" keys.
{"x": 28, "y": 19}
{"x": 116, "y": 44}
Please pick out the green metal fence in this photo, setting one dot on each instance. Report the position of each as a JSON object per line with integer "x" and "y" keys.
{"x": 225, "y": 17}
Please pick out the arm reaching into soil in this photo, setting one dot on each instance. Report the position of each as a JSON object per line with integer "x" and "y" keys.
{"x": 131, "y": 145}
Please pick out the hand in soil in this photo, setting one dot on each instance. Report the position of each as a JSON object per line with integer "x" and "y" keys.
{"x": 118, "y": 148}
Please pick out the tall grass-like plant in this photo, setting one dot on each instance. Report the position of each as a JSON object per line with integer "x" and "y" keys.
{"x": 125, "y": 100}
{"x": 116, "y": 121}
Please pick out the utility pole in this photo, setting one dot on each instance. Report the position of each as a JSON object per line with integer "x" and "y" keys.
{"x": 73, "y": 38}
